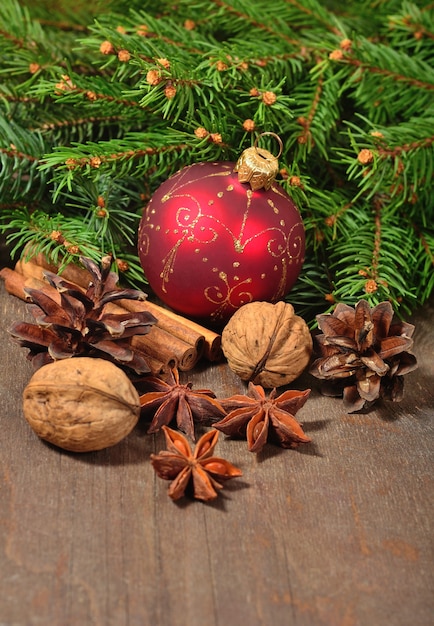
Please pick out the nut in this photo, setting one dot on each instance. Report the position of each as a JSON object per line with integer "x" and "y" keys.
{"x": 81, "y": 404}
{"x": 267, "y": 343}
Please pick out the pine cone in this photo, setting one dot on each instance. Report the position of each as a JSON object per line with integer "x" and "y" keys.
{"x": 362, "y": 354}
{"x": 79, "y": 326}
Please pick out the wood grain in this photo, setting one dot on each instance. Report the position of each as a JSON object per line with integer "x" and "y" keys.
{"x": 335, "y": 533}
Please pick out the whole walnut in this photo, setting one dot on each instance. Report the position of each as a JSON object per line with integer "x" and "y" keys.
{"x": 81, "y": 404}
{"x": 267, "y": 343}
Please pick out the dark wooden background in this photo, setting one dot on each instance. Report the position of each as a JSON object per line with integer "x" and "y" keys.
{"x": 337, "y": 532}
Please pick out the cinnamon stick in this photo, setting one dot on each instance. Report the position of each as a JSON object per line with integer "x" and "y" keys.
{"x": 171, "y": 350}
{"x": 161, "y": 350}
{"x": 71, "y": 272}
{"x": 169, "y": 345}
{"x": 16, "y": 282}
{"x": 157, "y": 367}
{"x": 206, "y": 342}
{"x": 174, "y": 328}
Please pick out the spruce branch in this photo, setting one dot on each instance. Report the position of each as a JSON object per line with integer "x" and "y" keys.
{"x": 99, "y": 105}
{"x": 316, "y": 12}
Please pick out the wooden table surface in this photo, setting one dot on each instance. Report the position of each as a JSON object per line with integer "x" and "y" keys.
{"x": 337, "y": 532}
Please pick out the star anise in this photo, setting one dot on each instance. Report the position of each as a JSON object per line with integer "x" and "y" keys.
{"x": 200, "y": 468}
{"x": 362, "y": 354}
{"x": 260, "y": 417}
{"x": 169, "y": 400}
{"x": 77, "y": 324}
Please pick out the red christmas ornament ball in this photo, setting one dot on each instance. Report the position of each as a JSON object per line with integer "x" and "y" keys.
{"x": 209, "y": 244}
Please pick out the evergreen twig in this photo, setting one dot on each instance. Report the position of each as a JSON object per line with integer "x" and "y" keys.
{"x": 99, "y": 105}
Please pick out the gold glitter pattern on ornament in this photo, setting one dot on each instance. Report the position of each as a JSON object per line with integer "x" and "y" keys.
{"x": 224, "y": 295}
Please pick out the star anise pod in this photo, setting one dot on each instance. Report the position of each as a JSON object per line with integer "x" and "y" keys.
{"x": 169, "y": 400}
{"x": 260, "y": 417}
{"x": 79, "y": 326}
{"x": 362, "y": 354}
{"x": 200, "y": 468}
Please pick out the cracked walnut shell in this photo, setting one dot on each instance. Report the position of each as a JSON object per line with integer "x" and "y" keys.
{"x": 81, "y": 404}
{"x": 267, "y": 344}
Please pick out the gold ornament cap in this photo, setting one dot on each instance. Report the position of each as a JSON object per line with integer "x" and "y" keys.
{"x": 258, "y": 166}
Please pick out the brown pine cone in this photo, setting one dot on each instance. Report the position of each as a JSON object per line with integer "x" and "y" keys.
{"x": 79, "y": 325}
{"x": 362, "y": 354}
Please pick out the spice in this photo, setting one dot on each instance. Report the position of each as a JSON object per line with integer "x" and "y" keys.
{"x": 171, "y": 401}
{"x": 362, "y": 355}
{"x": 199, "y": 470}
{"x": 205, "y": 341}
{"x": 259, "y": 417}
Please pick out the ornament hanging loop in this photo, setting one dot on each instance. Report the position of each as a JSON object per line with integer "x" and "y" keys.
{"x": 276, "y": 137}
{"x": 258, "y": 166}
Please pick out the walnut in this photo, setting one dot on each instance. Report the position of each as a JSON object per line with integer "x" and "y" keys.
{"x": 81, "y": 404}
{"x": 267, "y": 343}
